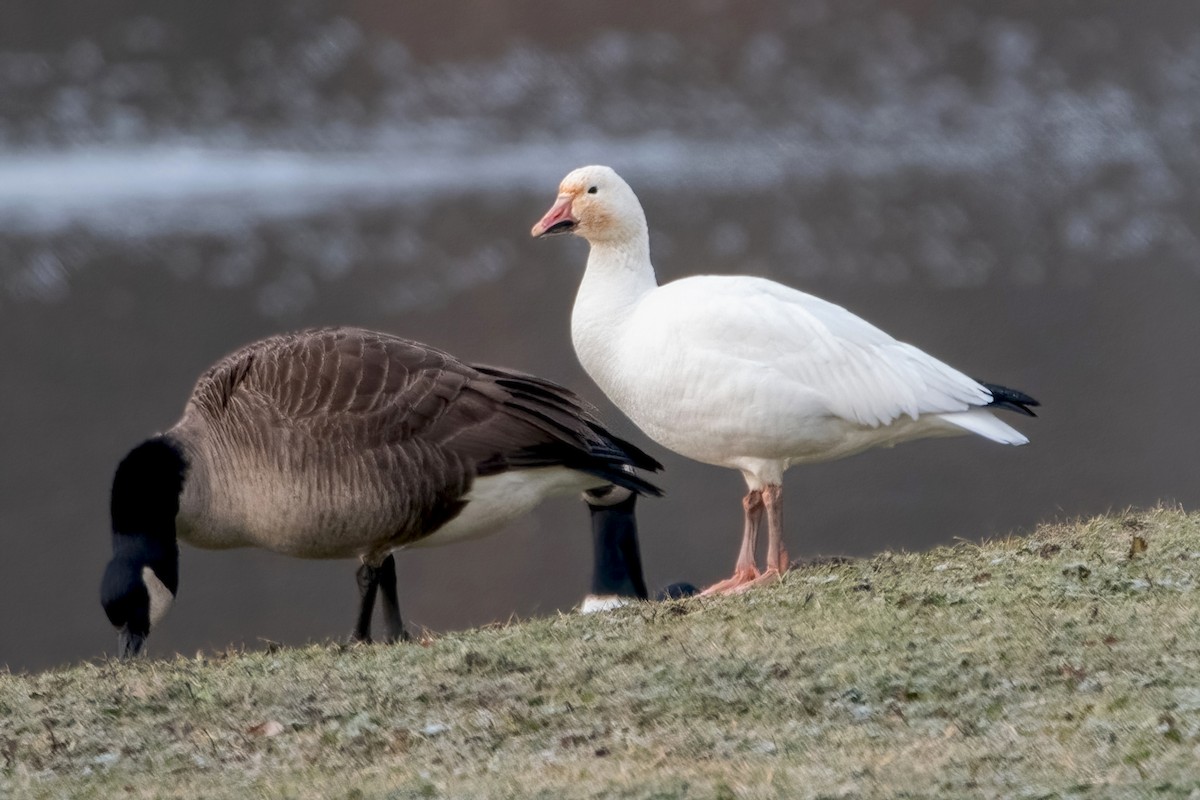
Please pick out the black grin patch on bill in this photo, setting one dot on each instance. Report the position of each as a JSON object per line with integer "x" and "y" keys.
{"x": 562, "y": 226}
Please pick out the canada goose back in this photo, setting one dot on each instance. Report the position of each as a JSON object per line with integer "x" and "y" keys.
{"x": 341, "y": 442}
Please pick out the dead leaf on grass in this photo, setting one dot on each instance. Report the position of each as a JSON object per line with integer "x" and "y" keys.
{"x": 1137, "y": 546}
{"x": 269, "y": 728}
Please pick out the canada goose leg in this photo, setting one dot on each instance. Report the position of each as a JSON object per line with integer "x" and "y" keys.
{"x": 745, "y": 571}
{"x": 392, "y": 624}
{"x": 777, "y": 558}
{"x": 368, "y": 583}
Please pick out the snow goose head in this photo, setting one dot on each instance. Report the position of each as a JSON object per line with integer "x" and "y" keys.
{"x": 595, "y": 203}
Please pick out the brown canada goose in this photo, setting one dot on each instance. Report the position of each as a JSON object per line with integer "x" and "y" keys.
{"x": 346, "y": 443}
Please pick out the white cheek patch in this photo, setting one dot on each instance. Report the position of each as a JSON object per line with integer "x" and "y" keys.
{"x": 160, "y": 596}
{"x": 594, "y": 603}
{"x": 608, "y": 496}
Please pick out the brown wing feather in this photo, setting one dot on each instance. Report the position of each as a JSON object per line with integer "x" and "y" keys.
{"x": 405, "y": 416}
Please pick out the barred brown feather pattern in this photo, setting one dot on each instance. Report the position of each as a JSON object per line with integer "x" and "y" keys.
{"x": 329, "y": 438}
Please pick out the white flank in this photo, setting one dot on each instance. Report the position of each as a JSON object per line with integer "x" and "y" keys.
{"x": 497, "y": 500}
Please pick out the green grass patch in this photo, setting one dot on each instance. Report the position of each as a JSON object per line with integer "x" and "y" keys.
{"x": 1062, "y": 665}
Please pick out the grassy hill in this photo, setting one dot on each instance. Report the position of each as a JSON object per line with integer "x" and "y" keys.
{"x": 1065, "y": 664}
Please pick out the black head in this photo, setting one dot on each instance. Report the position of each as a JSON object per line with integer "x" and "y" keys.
{"x": 142, "y": 578}
{"x": 676, "y": 591}
{"x": 135, "y": 598}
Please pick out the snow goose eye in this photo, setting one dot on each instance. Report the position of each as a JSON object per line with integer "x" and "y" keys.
{"x": 593, "y": 189}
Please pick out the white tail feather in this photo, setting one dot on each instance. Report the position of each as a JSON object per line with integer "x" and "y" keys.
{"x": 983, "y": 423}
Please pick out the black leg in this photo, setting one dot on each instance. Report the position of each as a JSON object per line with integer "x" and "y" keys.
{"x": 368, "y": 582}
{"x": 392, "y": 623}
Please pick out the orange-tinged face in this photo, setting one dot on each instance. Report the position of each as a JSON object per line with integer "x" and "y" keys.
{"x": 594, "y": 203}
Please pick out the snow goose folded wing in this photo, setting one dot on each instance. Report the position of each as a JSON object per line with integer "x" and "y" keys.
{"x": 747, "y": 373}
{"x": 346, "y": 443}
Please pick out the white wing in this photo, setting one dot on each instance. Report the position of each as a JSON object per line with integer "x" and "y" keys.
{"x": 755, "y": 331}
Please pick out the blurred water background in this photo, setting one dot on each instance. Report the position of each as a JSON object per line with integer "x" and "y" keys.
{"x": 1011, "y": 186}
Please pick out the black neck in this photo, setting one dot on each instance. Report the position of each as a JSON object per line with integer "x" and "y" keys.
{"x": 617, "y": 565}
{"x": 144, "y": 503}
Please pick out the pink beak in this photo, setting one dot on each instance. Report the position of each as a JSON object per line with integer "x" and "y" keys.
{"x": 558, "y": 219}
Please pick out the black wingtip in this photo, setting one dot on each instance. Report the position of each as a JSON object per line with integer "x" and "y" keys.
{"x": 1010, "y": 399}
{"x": 616, "y": 474}
{"x": 616, "y": 458}
{"x": 637, "y": 457}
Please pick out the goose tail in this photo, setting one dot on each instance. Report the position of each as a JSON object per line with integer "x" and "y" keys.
{"x": 983, "y": 423}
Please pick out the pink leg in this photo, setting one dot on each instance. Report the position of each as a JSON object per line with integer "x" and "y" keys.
{"x": 777, "y": 557}
{"x": 745, "y": 571}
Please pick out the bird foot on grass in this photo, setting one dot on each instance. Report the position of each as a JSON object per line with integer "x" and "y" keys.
{"x": 771, "y": 575}
{"x": 742, "y": 577}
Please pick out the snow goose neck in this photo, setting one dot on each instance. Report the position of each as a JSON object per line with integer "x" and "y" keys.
{"x": 746, "y": 373}
{"x": 346, "y": 443}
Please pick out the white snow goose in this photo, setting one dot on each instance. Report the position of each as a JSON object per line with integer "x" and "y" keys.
{"x": 346, "y": 443}
{"x": 746, "y": 373}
